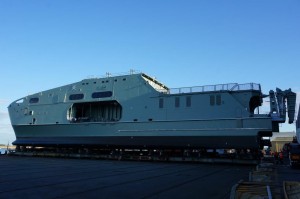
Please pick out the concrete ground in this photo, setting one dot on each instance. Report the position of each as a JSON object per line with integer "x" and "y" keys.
{"x": 33, "y": 177}
{"x": 286, "y": 173}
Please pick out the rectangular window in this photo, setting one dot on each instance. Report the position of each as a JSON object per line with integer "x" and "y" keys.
{"x": 212, "y": 100}
{"x": 219, "y": 100}
{"x": 188, "y": 101}
{"x": 177, "y": 102}
{"x": 102, "y": 94}
{"x": 161, "y": 103}
{"x": 76, "y": 96}
{"x": 34, "y": 100}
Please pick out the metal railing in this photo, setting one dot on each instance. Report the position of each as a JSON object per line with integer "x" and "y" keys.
{"x": 108, "y": 74}
{"x": 212, "y": 88}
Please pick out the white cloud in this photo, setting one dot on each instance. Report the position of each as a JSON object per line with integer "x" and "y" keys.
{"x": 3, "y": 101}
{"x": 4, "y": 118}
{"x": 7, "y": 134}
{"x": 298, "y": 98}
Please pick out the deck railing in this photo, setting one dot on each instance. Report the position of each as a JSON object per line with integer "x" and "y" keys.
{"x": 211, "y": 88}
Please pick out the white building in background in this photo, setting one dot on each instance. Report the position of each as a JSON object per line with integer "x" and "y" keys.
{"x": 279, "y": 139}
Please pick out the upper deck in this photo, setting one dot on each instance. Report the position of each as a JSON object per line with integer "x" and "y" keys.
{"x": 155, "y": 84}
{"x": 215, "y": 88}
{"x": 193, "y": 89}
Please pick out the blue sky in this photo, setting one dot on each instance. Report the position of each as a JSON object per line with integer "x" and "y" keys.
{"x": 45, "y": 44}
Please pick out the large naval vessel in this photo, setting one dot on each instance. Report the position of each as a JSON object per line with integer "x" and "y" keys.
{"x": 137, "y": 111}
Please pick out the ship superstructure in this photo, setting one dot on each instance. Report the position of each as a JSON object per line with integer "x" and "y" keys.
{"x": 137, "y": 111}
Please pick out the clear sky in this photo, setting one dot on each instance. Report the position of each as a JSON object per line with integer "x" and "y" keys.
{"x": 50, "y": 43}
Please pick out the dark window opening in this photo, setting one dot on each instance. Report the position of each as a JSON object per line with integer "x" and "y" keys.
{"x": 177, "y": 102}
{"x": 212, "y": 100}
{"x": 188, "y": 101}
{"x": 102, "y": 94}
{"x": 34, "y": 100}
{"x": 105, "y": 111}
{"x": 76, "y": 96}
{"x": 255, "y": 102}
{"x": 219, "y": 100}
{"x": 161, "y": 103}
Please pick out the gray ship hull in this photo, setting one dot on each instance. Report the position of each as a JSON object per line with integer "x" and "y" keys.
{"x": 223, "y": 133}
{"x": 137, "y": 111}
{"x": 156, "y": 142}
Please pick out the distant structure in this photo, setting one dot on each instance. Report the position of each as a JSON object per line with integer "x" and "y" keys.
{"x": 278, "y": 140}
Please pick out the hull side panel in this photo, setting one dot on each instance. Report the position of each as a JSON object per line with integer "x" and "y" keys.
{"x": 144, "y": 141}
{"x": 150, "y": 134}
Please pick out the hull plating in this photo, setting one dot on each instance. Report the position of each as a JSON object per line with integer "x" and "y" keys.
{"x": 194, "y": 134}
{"x": 136, "y": 110}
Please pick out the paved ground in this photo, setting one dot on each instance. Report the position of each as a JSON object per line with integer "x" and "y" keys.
{"x": 286, "y": 173}
{"x": 32, "y": 177}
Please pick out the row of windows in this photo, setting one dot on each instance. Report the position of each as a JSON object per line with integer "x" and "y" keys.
{"x": 188, "y": 102}
{"x": 78, "y": 96}
{"x": 94, "y": 95}
{"x": 214, "y": 100}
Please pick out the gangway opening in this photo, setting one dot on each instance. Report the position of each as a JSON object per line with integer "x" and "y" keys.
{"x": 103, "y": 111}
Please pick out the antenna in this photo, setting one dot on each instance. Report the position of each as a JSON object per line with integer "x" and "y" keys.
{"x": 131, "y": 71}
